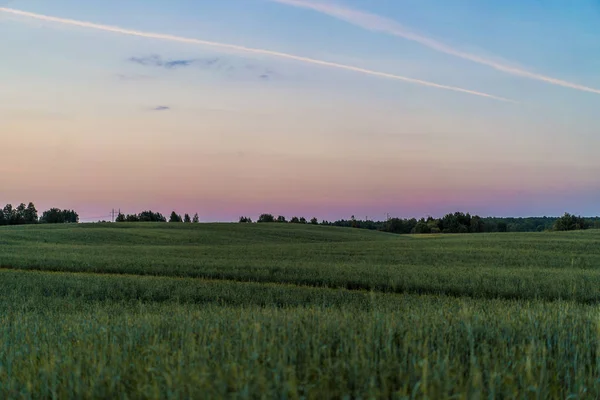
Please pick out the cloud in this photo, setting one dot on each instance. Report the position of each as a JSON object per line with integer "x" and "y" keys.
{"x": 268, "y": 75}
{"x": 247, "y": 50}
{"x": 178, "y": 63}
{"x": 209, "y": 62}
{"x": 162, "y": 108}
{"x": 153, "y": 60}
{"x": 378, "y": 23}
{"x": 217, "y": 63}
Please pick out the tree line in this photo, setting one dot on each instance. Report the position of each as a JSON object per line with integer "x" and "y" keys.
{"x": 150, "y": 216}
{"x": 265, "y": 218}
{"x": 457, "y": 222}
{"x": 28, "y": 214}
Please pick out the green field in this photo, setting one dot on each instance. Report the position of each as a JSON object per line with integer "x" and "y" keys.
{"x": 175, "y": 311}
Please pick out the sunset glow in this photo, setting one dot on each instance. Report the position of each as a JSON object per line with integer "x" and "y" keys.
{"x": 351, "y": 120}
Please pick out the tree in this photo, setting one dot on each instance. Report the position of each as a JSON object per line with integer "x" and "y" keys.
{"x": 53, "y": 216}
{"x": 31, "y": 214}
{"x": 395, "y": 225}
{"x": 71, "y": 217}
{"x": 8, "y": 214}
{"x": 266, "y": 218}
{"x": 433, "y": 225}
{"x": 28, "y": 214}
{"x": 146, "y": 216}
{"x": 281, "y": 219}
{"x": 19, "y": 214}
{"x": 175, "y": 217}
{"x": 132, "y": 218}
{"x": 570, "y": 222}
{"x": 477, "y": 225}
{"x": 150, "y": 216}
{"x": 57, "y": 216}
{"x": 455, "y": 223}
{"x": 294, "y": 220}
{"x": 120, "y": 217}
{"x": 314, "y": 221}
{"x": 187, "y": 219}
{"x": 302, "y": 220}
{"x": 421, "y": 228}
{"x": 196, "y": 219}
{"x": 245, "y": 220}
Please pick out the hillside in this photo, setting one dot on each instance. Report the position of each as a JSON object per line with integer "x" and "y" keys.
{"x": 164, "y": 234}
{"x": 171, "y": 311}
{"x": 498, "y": 265}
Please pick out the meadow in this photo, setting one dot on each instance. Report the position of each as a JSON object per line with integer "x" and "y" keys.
{"x": 175, "y": 311}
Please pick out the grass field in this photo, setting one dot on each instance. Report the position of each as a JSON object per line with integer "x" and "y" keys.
{"x": 292, "y": 311}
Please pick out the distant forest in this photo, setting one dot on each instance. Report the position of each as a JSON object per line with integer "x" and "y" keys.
{"x": 457, "y": 222}
{"x": 28, "y": 214}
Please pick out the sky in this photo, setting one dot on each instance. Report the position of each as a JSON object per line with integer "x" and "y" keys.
{"x": 301, "y": 107}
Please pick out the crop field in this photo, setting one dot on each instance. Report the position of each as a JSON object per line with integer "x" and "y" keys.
{"x": 171, "y": 311}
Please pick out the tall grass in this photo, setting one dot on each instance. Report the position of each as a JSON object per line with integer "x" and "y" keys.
{"x": 513, "y": 266}
{"x": 416, "y": 346}
{"x": 483, "y": 316}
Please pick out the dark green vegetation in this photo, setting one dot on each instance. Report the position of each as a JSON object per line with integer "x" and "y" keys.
{"x": 28, "y": 215}
{"x": 292, "y": 311}
{"x": 459, "y": 222}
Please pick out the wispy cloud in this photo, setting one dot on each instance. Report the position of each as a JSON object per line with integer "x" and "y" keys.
{"x": 157, "y": 61}
{"x": 268, "y": 74}
{"x": 249, "y": 50}
{"x": 378, "y": 23}
{"x": 161, "y": 108}
{"x": 153, "y": 60}
{"x": 178, "y": 63}
{"x": 216, "y": 63}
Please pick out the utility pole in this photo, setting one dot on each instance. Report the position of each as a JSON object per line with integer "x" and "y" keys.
{"x": 113, "y": 215}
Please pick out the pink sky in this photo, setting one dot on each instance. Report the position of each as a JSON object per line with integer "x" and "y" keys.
{"x": 91, "y": 121}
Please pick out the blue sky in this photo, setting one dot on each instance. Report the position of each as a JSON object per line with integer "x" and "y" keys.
{"x": 114, "y": 120}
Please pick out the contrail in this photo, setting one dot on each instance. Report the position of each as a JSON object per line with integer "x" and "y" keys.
{"x": 381, "y": 24}
{"x": 160, "y": 36}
